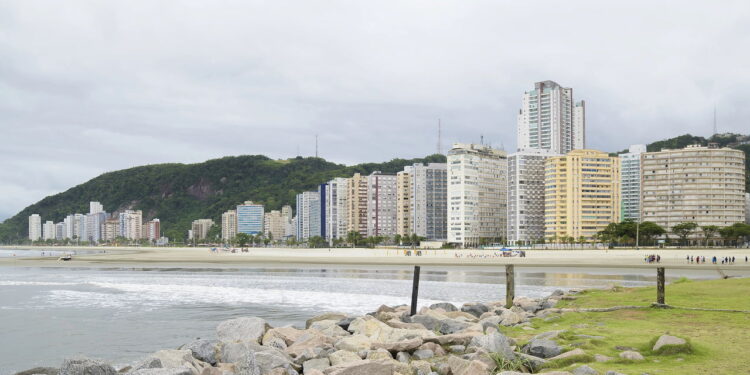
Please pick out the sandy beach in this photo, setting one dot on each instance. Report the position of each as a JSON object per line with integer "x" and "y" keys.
{"x": 191, "y": 257}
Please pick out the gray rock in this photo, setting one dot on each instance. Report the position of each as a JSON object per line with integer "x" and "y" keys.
{"x": 449, "y": 326}
{"x": 365, "y": 368}
{"x": 343, "y": 357}
{"x": 422, "y": 354}
{"x": 668, "y": 340}
{"x": 39, "y": 370}
{"x": 535, "y": 363}
{"x": 457, "y": 348}
{"x": 476, "y": 309}
{"x": 246, "y": 329}
{"x": 316, "y": 364}
{"x": 327, "y": 316}
{"x": 542, "y": 348}
{"x": 86, "y": 366}
{"x": 344, "y": 323}
{"x": 631, "y": 356}
{"x": 490, "y": 322}
{"x": 204, "y": 350}
{"x": 403, "y": 357}
{"x": 444, "y": 305}
{"x": 268, "y": 360}
{"x": 163, "y": 371}
{"x": 247, "y": 365}
{"x": 585, "y": 370}
{"x": 493, "y": 343}
{"x": 429, "y": 322}
{"x": 443, "y": 368}
{"x": 614, "y": 373}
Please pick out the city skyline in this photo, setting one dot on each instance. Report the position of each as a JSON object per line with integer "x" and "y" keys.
{"x": 192, "y": 102}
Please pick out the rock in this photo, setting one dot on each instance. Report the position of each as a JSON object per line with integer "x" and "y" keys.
{"x": 166, "y": 371}
{"x": 668, "y": 340}
{"x": 314, "y": 372}
{"x": 379, "y": 354}
{"x": 492, "y": 321}
{"x": 585, "y": 370}
{"x": 548, "y": 335}
{"x": 86, "y": 366}
{"x": 245, "y": 329}
{"x": 631, "y": 356}
{"x": 344, "y": 323}
{"x": 602, "y": 358}
{"x": 364, "y": 368}
{"x": 510, "y": 317}
{"x": 535, "y": 363}
{"x": 39, "y": 371}
{"x": 315, "y": 364}
{"x": 437, "y": 349}
{"x": 354, "y": 343}
{"x": 444, "y": 305}
{"x": 613, "y": 373}
{"x": 327, "y": 316}
{"x": 309, "y": 342}
{"x": 422, "y": 354}
{"x": 395, "y": 323}
{"x": 271, "y": 359}
{"x": 403, "y": 357}
{"x": 421, "y": 367}
{"x": 289, "y": 335}
{"x": 204, "y": 350}
{"x": 460, "y": 366}
{"x": 542, "y": 348}
{"x": 443, "y": 368}
{"x": 449, "y": 326}
{"x": 247, "y": 365}
{"x": 476, "y": 309}
{"x": 329, "y": 328}
{"x": 343, "y": 356}
{"x": 527, "y": 304}
{"x": 461, "y": 315}
{"x": 429, "y": 322}
{"x": 399, "y": 346}
{"x": 457, "y": 348}
{"x": 572, "y": 353}
{"x": 378, "y": 331}
{"x": 177, "y": 358}
{"x": 494, "y": 343}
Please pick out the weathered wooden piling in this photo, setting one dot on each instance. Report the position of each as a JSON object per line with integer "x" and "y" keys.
{"x": 660, "y": 285}
{"x": 510, "y": 285}
{"x": 415, "y": 291}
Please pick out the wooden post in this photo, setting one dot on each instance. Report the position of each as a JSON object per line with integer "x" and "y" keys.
{"x": 510, "y": 285}
{"x": 660, "y": 285}
{"x": 415, "y": 291}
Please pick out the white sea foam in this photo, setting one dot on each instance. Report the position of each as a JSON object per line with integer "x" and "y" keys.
{"x": 34, "y": 283}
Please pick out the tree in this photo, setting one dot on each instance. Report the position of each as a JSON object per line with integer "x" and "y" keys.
{"x": 353, "y": 238}
{"x": 397, "y": 239}
{"x": 316, "y": 241}
{"x": 709, "y": 231}
{"x": 242, "y": 239}
{"x": 735, "y": 231}
{"x": 649, "y": 230}
{"x": 683, "y": 230}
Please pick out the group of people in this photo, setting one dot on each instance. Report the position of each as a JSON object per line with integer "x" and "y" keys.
{"x": 714, "y": 260}
{"x": 654, "y": 258}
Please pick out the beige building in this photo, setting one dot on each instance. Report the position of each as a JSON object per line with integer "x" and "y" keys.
{"x": 229, "y": 225}
{"x": 404, "y": 219}
{"x": 200, "y": 228}
{"x": 477, "y": 195}
{"x": 357, "y": 204}
{"x": 273, "y": 225}
{"x": 704, "y": 185}
{"x": 582, "y": 194}
{"x": 111, "y": 229}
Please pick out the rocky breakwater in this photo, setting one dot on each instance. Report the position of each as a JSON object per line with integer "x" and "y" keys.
{"x": 441, "y": 339}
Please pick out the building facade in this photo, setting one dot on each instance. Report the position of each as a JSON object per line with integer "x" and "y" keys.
{"x": 152, "y": 230}
{"x": 131, "y": 224}
{"x": 336, "y": 208}
{"x": 630, "y": 183}
{"x": 229, "y": 225}
{"x": 582, "y": 194}
{"x": 200, "y": 229}
{"x": 703, "y": 185}
{"x": 111, "y": 229}
{"x": 422, "y": 201}
{"x": 35, "y": 227}
{"x": 550, "y": 119}
{"x": 250, "y": 217}
{"x": 49, "y": 230}
{"x": 308, "y": 215}
{"x": 526, "y": 195}
{"x": 273, "y": 225}
{"x": 404, "y": 191}
{"x": 357, "y": 203}
{"x": 477, "y": 195}
{"x": 289, "y": 222}
{"x": 747, "y": 207}
{"x": 381, "y": 204}
{"x": 95, "y": 225}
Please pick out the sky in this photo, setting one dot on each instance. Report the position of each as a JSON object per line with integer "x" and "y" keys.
{"x": 88, "y": 87}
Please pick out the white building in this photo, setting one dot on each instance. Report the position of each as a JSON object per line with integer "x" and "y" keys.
{"x": 549, "y": 119}
{"x": 381, "y": 205}
{"x": 630, "y": 183}
{"x": 229, "y": 225}
{"x": 476, "y": 194}
{"x": 59, "y": 231}
{"x": 35, "y": 227}
{"x": 80, "y": 227}
{"x": 308, "y": 215}
{"x": 336, "y": 208}
{"x": 48, "y": 230}
{"x": 95, "y": 226}
{"x": 95, "y": 207}
{"x": 422, "y": 201}
{"x": 289, "y": 226}
{"x": 131, "y": 224}
{"x": 526, "y": 195}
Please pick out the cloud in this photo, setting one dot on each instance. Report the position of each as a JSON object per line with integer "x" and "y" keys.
{"x": 90, "y": 87}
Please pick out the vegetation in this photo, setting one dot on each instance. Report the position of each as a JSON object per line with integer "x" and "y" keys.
{"x": 179, "y": 193}
{"x": 717, "y": 341}
{"x": 627, "y": 231}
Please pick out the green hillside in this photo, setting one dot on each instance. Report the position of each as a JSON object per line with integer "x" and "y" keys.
{"x": 180, "y": 193}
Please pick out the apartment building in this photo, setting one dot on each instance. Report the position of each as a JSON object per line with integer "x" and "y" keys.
{"x": 381, "y": 204}
{"x": 526, "y": 195}
{"x": 630, "y": 183}
{"x": 229, "y": 225}
{"x": 250, "y": 218}
{"x": 357, "y": 204}
{"x": 336, "y": 208}
{"x": 35, "y": 227}
{"x": 550, "y": 119}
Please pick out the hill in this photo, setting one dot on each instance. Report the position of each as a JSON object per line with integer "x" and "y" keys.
{"x": 179, "y": 193}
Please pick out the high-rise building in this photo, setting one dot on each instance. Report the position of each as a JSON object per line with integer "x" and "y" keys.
{"x": 747, "y": 207}
{"x": 228, "y": 225}
{"x": 95, "y": 207}
{"x": 630, "y": 183}
{"x": 322, "y": 203}
{"x": 703, "y": 185}
{"x": 357, "y": 203}
{"x": 49, "y": 230}
{"x": 477, "y": 194}
{"x": 95, "y": 225}
{"x": 549, "y": 119}
{"x": 131, "y": 224}
{"x": 526, "y": 195}
{"x": 80, "y": 227}
{"x": 274, "y": 225}
{"x": 69, "y": 225}
{"x": 381, "y": 204}
{"x": 200, "y": 228}
{"x": 308, "y": 215}
{"x": 152, "y": 230}
{"x": 250, "y": 218}
{"x": 289, "y": 226}
{"x": 35, "y": 227}
{"x": 422, "y": 201}
{"x": 59, "y": 231}
{"x": 336, "y": 208}
{"x": 111, "y": 229}
{"x": 582, "y": 194}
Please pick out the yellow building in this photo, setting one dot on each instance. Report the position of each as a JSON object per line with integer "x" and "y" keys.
{"x": 582, "y": 194}
{"x": 404, "y": 225}
{"x": 357, "y": 204}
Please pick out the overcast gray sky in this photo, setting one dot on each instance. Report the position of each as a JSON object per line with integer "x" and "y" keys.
{"x": 93, "y": 86}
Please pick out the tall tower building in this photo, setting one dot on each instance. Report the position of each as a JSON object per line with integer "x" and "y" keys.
{"x": 49, "y": 230}
{"x": 526, "y": 195}
{"x": 582, "y": 194}
{"x": 422, "y": 201}
{"x": 336, "y": 208}
{"x": 357, "y": 203}
{"x": 308, "y": 215}
{"x": 250, "y": 217}
{"x": 35, "y": 227}
{"x": 381, "y": 204}
{"x": 477, "y": 196}
{"x": 630, "y": 183}
{"x": 549, "y": 119}
{"x": 228, "y": 225}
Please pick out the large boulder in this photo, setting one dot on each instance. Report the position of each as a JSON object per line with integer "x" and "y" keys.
{"x": 494, "y": 343}
{"x": 39, "y": 371}
{"x": 462, "y": 338}
{"x": 476, "y": 309}
{"x": 309, "y": 345}
{"x": 164, "y": 371}
{"x": 315, "y": 364}
{"x": 169, "y": 358}
{"x": 399, "y": 346}
{"x": 245, "y": 329}
{"x": 585, "y": 370}
{"x": 86, "y": 366}
{"x": 362, "y": 368}
{"x": 542, "y": 348}
{"x": 378, "y": 331}
{"x": 354, "y": 343}
{"x": 428, "y": 321}
{"x": 665, "y": 340}
{"x": 449, "y": 326}
{"x": 329, "y": 328}
{"x": 343, "y": 356}
{"x": 510, "y": 317}
{"x": 631, "y": 356}
{"x": 286, "y": 334}
{"x": 327, "y": 316}
{"x": 204, "y": 350}
{"x": 446, "y": 306}
{"x": 270, "y": 359}
{"x": 527, "y": 304}
{"x": 460, "y": 366}
{"x": 247, "y": 365}
{"x": 569, "y": 354}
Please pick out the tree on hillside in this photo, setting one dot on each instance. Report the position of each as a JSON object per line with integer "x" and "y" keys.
{"x": 683, "y": 230}
{"x": 709, "y": 231}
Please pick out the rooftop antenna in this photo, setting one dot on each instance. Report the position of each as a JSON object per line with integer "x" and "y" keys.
{"x": 481, "y": 139}
{"x": 316, "y": 145}
{"x": 440, "y": 138}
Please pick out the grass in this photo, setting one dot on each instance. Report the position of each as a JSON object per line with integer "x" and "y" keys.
{"x": 504, "y": 364}
{"x": 717, "y": 341}
{"x": 563, "y": 362}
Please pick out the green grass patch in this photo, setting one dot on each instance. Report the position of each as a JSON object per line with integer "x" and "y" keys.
{"x": 564, "y": 362}
{"x": 686, "y": 348}
{"x": 504, "y": 364}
